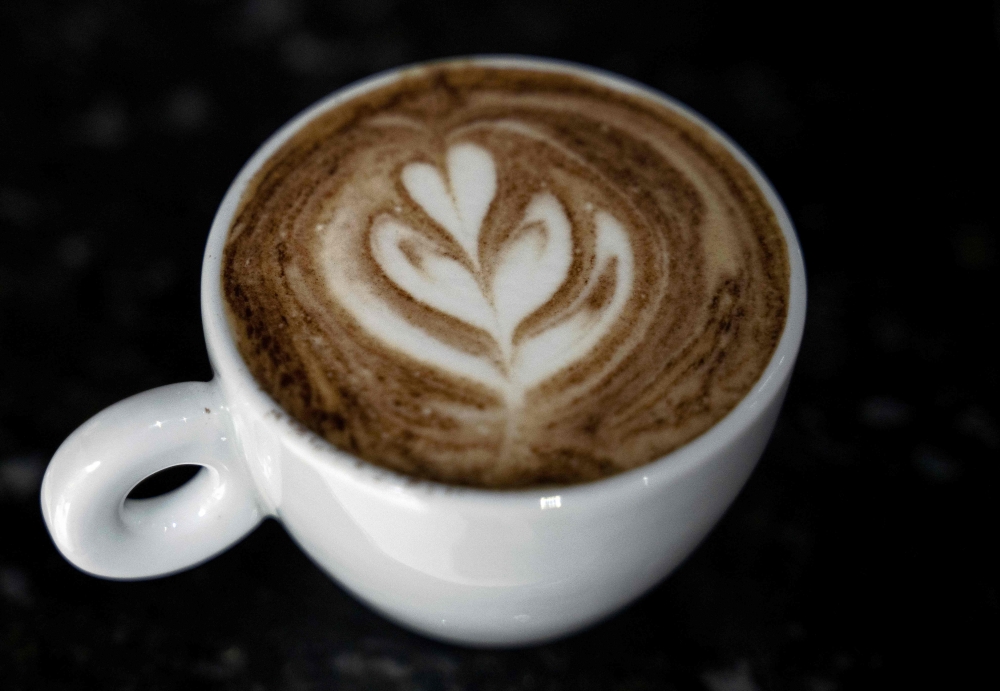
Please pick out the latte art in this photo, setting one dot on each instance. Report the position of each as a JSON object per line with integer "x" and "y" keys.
{"x": 495, "y": 293}
{"x": 502, "y": 277}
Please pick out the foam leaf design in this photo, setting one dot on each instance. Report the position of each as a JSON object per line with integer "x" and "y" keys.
{"x": 560, "y": 345}
{"x": 530, "y": 268}
{"x": 460, "y": 205}
{"x": 426, "y": 274}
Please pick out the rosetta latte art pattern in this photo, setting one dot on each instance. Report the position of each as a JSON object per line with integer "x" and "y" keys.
{"x": 504, "y": 278}
{"x": 495, "y": 297}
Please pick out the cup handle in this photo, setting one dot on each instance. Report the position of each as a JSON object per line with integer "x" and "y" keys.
{"x": 85, "y": 490}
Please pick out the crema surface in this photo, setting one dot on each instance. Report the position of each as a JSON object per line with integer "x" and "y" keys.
{"x": 502, "y": 277}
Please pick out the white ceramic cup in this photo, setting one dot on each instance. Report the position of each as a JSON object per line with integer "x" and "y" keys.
{"x": 473, "y": 566}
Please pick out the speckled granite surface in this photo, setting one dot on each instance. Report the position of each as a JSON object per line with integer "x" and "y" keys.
{"x": 858, "y": 556}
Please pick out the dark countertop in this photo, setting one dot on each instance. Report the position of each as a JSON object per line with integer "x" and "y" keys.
{"x": 858, "y": 555}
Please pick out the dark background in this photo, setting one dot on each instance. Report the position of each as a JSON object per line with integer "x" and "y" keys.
{"x": 858, "y": 556}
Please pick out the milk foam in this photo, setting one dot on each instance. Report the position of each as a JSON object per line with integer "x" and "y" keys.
{"x": 532, "y": 265}
{"x": 501, "y": 277}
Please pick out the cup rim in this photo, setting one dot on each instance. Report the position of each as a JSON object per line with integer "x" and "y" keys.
{"x": 230, "y": 366}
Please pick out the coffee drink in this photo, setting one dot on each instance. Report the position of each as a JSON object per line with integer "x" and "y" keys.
{"x": 500, "y": 276}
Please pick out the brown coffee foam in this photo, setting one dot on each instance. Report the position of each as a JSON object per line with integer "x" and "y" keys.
{"x": 707, "y": 310}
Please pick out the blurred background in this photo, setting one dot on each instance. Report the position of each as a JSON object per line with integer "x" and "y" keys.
{"x": 858, "y": 556}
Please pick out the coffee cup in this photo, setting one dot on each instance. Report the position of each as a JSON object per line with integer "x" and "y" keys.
{"x": 475, "y": 566}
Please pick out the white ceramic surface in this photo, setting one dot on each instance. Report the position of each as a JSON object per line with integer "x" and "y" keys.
{"x": 480, "y": 567}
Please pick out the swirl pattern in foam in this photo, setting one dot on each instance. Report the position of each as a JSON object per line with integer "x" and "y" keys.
{"x": 503, "y": 277}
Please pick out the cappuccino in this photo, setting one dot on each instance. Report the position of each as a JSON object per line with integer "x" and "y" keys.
{"x": 503, "y": 277}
